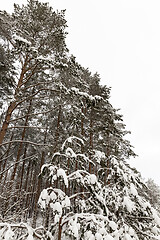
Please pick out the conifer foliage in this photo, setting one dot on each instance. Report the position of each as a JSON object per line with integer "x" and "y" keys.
{"x": 63, "y": 152}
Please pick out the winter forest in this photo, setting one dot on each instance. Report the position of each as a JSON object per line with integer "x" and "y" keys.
{"x": 64, "y": 153}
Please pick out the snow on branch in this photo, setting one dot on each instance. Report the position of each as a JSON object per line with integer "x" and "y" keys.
{"x": 86, "y": 95}
{"x": 55, "y": 173}
{"x": 21, "y": 39}
{"x": 56, "y": 199}
{"x": 70, "y": 140}
{"x": 10, "y": 231}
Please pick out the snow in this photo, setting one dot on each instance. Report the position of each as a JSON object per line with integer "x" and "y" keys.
{"x": 86, "y": 95}
{"x": 57, "y": 207}
{"x": 56, "y": 154}
{"x": 154, "y": 230}
{"x": 156, "y": 218}
{"x": 98, "y": 236}
{"x": 89, "y": 236}
{"x": 30, "y": 232}
{"x": 61, "y": 173}
{"x": 98, "y": 97}
{"x": 113, "y": 225}
{"x": 102, "y": 231}
{"x": 74, "y": 89}
{"x": 131, "y": 231}
{"x": 100, "y": 137}
{"x": 66, "y": 202}
{"x": 44, "y": 199}
{"x": 92, "y": 179}
{"x": 128, "y": 204}
{"x": 9, "y": 234}
{"x": 133, "y": 190}
{"x": 44, "y": 166}
{"x": 74, "y": 227}
{"x": 70, "y": 140}
{"x": 30, "y": 237}
{"x": 56, "y": 218}
{"x": 99, "y": 155}
{"x": 60, "y": 193}
{"x": 76, "y": 175}
{"x": 127, "y": 237}
{"x": 47, "y": 58}
{"x": 70, "y": 153}
{"x": 2, "y": 232}
{"x": 83, "y": 156}
{"x": 53, "y": 196}
{"x": 21, "y": 39}
{"x": 108, "y": 237}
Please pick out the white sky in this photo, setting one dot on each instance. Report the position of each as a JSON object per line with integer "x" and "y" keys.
{"x": 120, "y": 39}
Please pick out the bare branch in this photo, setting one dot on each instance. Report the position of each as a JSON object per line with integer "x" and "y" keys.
{"x": 6, "y": 157}
{"x": 17, "y": 163}
{"x": 29, "y": 142}
{"x": 34, "y": 114}
{"x": 26, "y": 127}
{"x": 37, "y": 84}
{"x": 29, "y": 97}
{"x": 80, "y": 193}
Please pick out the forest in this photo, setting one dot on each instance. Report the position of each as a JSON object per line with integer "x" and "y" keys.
{"x": 64, "y": 153}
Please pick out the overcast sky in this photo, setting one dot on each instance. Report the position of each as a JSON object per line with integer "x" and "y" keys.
{"x": 120, "y": 39}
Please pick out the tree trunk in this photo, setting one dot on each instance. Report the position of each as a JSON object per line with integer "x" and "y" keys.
{"x": 108, "y": 163}
{"x": 59, "y": 229}
{"x": 13, "y": 104}
{"x": 37, "y": 194}
{"x": 22, "y": 172}
{"x": 22, "y": 138}
{"x": 82, "y": 127}
{"x": 57, "y": 130}
{"x": 91, "y": 138}
{"x": 6, "y": 158}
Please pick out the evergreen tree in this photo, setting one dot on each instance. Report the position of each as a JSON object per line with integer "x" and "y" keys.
{"x": 36, "y": 36}
{"x": 63, "y": 149}
{"x": 153, "y": 193}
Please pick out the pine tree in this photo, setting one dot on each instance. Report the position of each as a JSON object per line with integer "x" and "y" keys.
{"x": 36, "y": 41}
{"x": 63, "y": 145}
{"x": 153, "y": 194}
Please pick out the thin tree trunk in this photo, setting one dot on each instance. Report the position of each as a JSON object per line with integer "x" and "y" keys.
{"x": 91, "y": 138}
{"x": 7, "y": 154}
{"x": 37, "y": 194}
{"x": 57, "y": 130}
{"x": 82, "y": 122}
{"x": 59, "y": 229}
{"x": 22, "y": 138}
{"x": 29, "y": 191}
{"x": 84, "y": 111}
{"x": 26, "y": 185}
{"x": 68, "y": 174}
{"x": 108, "y": 163}
{"x": 22, "y": 172}
{"x": 33, "y": 190}
{"x": 82, "y": 127}
{"x": 27, "y": 176}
